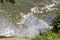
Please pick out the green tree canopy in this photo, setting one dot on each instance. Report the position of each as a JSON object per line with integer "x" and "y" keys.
{"x": 56, "y": 23}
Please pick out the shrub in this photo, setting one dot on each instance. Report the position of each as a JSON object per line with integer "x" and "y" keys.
{"x": 56, "y": 24}
{"x": 47, "y": 36}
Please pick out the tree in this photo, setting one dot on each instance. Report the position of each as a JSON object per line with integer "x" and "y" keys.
{"x": 12, "y": 1}
{"x": 48, "y": 35}
{"x": 1, "y": 1}
{"x": 56, "y": 24}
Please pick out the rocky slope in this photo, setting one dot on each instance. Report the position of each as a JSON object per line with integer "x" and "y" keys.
{"x": 27, "y": 17}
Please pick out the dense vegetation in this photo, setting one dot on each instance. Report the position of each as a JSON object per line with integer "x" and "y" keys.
{"x": 25, "y": 6}
{"x": 13, "y": 10}
{"x": 11, "y": 1}
{"x": 48, "y": 36}
{"x": 5, "y": 37}
{"x": 54, "y": 34}
{"x": 56, "y": 24}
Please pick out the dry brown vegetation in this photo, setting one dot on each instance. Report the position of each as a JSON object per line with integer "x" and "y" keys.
{"x": 12, "y": 39}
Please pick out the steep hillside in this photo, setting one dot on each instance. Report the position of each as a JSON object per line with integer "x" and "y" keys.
{"x": 12, "y": 10}
{"x": 27, "y": 17}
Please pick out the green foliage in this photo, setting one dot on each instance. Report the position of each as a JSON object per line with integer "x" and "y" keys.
{"x": 56, "y": 22}
{"x": 13, "y": 10}
{"x": 38, "y": 15}
{"x": 6, "y": 37}
{"x": 58, "y": 6}
{"x": 47, "y": 36}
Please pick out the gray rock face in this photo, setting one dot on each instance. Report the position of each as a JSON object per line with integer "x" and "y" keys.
{"x": 6, "y": 28}
{"x": 34, "y": 27}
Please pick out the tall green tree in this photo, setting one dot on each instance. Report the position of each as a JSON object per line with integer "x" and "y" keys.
{"x": 1, "y": 1}
{"x": 12, "y": 1}
{"x": 56, "y": 24}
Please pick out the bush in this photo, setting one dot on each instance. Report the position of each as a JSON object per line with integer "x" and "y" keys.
{"x": 47, "y": 36}
{"x": 56, "y": 24}
{"x": 6, "y": 37}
